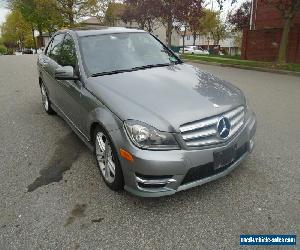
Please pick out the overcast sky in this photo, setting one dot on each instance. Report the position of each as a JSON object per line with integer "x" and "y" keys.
{"x": 227, "y": 8}
{"x": 3, "y": 11}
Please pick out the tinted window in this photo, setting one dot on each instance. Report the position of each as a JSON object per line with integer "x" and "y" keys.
{"x": 67, "y": 52}
{"x": 106, "y": 53}
{"x": 54, "y": 51}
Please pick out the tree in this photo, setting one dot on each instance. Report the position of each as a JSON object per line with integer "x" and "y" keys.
{"x": 98, "y": 8}
{"x": 169, "y": 12}
{"x": 113, "y": 13}
{"x": 71, "y": 10}
{"x": 288, "y": 10}
{"x": 172, "y": 11}
{"x": 194, "y": 26}
{"x": 143, "y": 12}
{"x": 221, "y": 3}
{"x": 14, "y": 30}
{"x": 220, "y": 31}
{"x": 3, "y": 49}
{"x": 211, "y": 25}
{"x": 189, "y": 17}
{"x": 33, "y": 11}
{"x": 68, "y": 10}
{"x": 50, "y": 20}
{"x": 207, "y": 22}
{"x": 240, "y": 18}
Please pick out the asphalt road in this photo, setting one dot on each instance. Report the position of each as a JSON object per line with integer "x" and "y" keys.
{"x": 75, "y": 210}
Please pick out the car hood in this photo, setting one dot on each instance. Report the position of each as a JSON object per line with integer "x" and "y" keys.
{"x": 165, "y": 97}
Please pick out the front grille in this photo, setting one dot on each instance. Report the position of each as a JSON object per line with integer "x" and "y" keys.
{"x": 207, "y": 170}
{"x": 204, "y": 132}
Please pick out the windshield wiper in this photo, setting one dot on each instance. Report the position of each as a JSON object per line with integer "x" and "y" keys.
{"x": 151, "y": 66}
{"x": 130, "y": 70}
{"x": 110, "y": 72}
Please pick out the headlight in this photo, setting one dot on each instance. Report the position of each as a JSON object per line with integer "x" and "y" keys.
{"x": 146, "y": 137}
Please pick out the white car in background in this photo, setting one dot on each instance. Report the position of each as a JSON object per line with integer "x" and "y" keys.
{"x": 193, "y": 50}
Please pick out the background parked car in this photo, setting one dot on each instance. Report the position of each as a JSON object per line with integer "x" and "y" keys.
{"x": 27, "y": 51}
{"x": 194, "y": 50}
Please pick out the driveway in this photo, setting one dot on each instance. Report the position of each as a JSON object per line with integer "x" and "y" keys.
{"x": 52, "y": 196}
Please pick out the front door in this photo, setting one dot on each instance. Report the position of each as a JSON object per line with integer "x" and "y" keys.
{"x": 69, "y": 94}
{"x": 49, "y": 63}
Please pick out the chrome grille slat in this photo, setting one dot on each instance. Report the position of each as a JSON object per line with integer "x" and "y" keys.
{"x": 194, "y": 135}
{"x": 204, "y": 132}
{"x": 236, "y": 128}
{"x": 237, "y": 119}
{"x": 197, "y": 125}
{"x": 201, "y": 143}
{"x": 234, "y": 113}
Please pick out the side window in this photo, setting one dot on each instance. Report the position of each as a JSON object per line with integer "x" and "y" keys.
{"x": 68, "y": 52}
{"x": 54, "y": 51}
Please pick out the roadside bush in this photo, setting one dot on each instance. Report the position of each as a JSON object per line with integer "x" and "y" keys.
{"x": 3, "y": 49}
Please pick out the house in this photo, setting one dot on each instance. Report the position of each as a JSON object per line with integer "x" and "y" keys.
{"x": 91, "y": 22}
{"x": 113, "y": 17}
{"x": 42, "y": 40}
{"x": 159, "y": 30}
{"x": 261, "y": 40}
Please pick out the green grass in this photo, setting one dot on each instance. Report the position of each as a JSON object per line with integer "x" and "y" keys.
{"x": 237, "y": 57}
{"x": 229, "y": 60}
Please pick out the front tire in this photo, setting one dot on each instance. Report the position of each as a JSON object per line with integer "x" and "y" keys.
{"x": 45, "y": 100}
{"x": 107, "y": 160}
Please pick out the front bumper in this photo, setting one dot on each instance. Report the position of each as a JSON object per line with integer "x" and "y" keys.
{"x": 159, "y": 173}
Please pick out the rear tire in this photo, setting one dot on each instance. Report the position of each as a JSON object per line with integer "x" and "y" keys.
{"x": 107, "y": 160}
{"x": 45, "y": 100}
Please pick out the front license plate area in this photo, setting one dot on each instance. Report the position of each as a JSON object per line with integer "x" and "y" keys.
{"x": 224, "y": 158}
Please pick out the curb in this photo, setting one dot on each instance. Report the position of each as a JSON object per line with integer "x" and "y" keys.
{"x": 281, "y": 72}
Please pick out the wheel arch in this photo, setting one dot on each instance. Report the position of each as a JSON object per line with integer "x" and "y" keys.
{"x": 40, "y": 81}
{"x": 103, "y": 118}
{"x": 114, "y": 147}
{"x": 93, "y": 127}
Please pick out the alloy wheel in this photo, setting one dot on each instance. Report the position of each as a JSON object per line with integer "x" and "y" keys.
{"x": 105, "y": 157}
{"x": 45, "y": 98}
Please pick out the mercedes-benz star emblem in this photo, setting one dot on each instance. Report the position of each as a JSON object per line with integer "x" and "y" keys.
{"x": 223, "y": 127}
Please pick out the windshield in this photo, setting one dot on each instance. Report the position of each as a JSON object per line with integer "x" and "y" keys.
{"x": 123, "y": 52}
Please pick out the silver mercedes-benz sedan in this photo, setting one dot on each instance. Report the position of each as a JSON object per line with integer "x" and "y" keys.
{"x": 156, "y": 124}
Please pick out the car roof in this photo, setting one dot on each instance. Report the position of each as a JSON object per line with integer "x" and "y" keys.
{"x": 92, "y": 31}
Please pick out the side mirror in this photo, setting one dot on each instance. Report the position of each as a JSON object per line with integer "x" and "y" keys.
{"x": 66, "y": 73}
